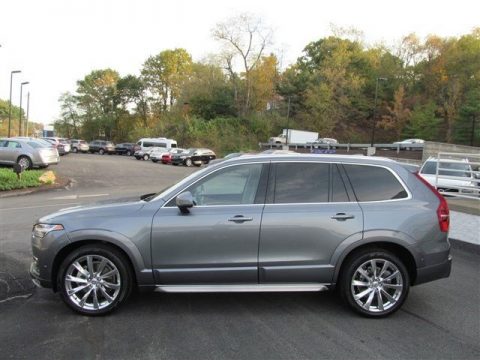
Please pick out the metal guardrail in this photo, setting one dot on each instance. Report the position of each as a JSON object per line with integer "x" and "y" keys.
{"x": 347, "y": 147}
{"x": 451, "y": 180}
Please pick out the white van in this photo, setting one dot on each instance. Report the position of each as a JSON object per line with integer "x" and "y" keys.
{"x": 146, "y": 143}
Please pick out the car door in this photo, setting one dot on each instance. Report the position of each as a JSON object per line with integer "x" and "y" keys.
{"x": 217, "y": 241}
{"x": 308, "y": 213}
{"x": 11, "y": 151}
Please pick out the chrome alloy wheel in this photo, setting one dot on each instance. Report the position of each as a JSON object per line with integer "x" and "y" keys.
{"x": 92, "y": 282}
{"x": 377, "y": 285}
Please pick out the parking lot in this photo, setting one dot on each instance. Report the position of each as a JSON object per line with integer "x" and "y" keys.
{"x": 440, "y": 320}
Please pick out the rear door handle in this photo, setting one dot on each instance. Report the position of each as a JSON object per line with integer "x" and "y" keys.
{"x": 240, "y": 218}
{"x": 342, "y": 216}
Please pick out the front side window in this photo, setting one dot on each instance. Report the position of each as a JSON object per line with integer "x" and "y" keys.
{"x": 301, "y": 183}
{"x": 374, "y": 183}
{"x": 234, "y": 185}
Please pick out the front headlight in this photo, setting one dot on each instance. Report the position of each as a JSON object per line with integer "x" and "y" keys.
{"x": 40, "y": 230}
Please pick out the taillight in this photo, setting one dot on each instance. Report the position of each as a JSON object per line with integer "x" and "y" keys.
{"x": 443, "y": 213}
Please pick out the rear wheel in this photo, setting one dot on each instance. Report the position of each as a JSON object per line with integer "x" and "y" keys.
{"x": 94, "y": 279}
{"x": 374, "y": 283}
{"x": 24, "y": 162}
{"x": 188, "y": 162}
{"x": 101, "y": 151}
{"x": 129, "y": 153}
{"x": 145, "y": 157}
{"x": 75, "y": 150}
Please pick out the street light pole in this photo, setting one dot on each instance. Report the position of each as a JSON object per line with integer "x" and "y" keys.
{"x": 374, "y": 123}
{"x": 28, "y": 110}
{"x": 20, "y": 118}
{"x": 10, "y": 103}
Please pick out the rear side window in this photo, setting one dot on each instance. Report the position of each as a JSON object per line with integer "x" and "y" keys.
{"x": 301, "y": 183}
{"x": 373, "y": 183}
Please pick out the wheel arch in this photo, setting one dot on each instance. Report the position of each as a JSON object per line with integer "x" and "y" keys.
{"x": 129, "y": 250}
{"x": 394, "y": 245}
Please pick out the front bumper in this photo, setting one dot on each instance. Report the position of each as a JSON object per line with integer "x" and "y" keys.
{"x": 434, "y": 272}
{"x": 35, "y": 275}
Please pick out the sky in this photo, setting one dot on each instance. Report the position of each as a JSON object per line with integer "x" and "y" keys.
{"x": 57, "y": 42}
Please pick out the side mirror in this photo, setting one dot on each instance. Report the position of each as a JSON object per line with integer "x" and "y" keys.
{"x": 185, "y": 201}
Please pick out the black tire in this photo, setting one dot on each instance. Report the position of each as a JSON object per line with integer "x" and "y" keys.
{"x": 349, "y": 274}
{"x": 188, "y": 162}
{"x": 74, "y": 150}
{"x": 101, "y": 151}
{"x": 137, "y": 157}
{"x": 98, "y": 250}
{"x": 24, "y": 162}
{"x": 155, "y": 161}
{"x": 146, "y": 157}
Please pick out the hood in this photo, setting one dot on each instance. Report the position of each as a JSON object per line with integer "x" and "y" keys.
{"x": 96, "y": 210}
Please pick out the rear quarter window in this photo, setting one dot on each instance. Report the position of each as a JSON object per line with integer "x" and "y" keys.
{"x": 374, "y": 183}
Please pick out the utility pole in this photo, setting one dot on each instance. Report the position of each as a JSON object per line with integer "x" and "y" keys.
{"x": 20, "y": 117}
{"x": 28, "y": 110}
{"x": 10, "y": 103}
{"x": 288, "y": 120}
{"x": 374, "y": 122}
{"x": 472, "y": 136}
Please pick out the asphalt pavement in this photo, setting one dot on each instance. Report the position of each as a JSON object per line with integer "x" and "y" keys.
{"x": 440, "y": 320}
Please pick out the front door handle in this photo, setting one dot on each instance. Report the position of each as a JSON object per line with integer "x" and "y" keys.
{"x": 342, "y": 216}
{"x": 240, "y": 219}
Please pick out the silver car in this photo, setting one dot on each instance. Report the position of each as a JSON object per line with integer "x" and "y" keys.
{"x": 27, "y": 152}
{"x": 369, "y": 227}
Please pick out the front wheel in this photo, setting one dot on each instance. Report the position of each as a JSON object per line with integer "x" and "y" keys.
{"x": 94, "y": 279}
{"x": 188, "y": 162}
{"x": 129, "y": 153}
{"x": 374, "y": 283}
{"x": 145, "y": 157}
{"x": 74, "y": 150}
{"x": 101, "y": 151}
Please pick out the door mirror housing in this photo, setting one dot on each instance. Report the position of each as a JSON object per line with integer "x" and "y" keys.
{"x": 185, "y": 201}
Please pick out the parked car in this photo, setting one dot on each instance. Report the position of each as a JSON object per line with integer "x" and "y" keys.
{"x": 144, "y": 154}
{"x": 157, "y": 152}
{"x": 102, "y": 147}
{"x": 226, "y": 157}
{"x": 167, "y": 157}
{"x": 79, "y": 145}
{"x": 125, "y": 149}
{"x": 326, "y": 141}
{"x": 57, "y": 145}
{"x": 193, "y": 156}
{"x": 404, "y": 143}
{"x": 455, "y": 176}
{"x": 364, "y": 225}
{"x": 146, "y": 143}
{"x": 27, "y": 152}
{"x": 57, "y": 141}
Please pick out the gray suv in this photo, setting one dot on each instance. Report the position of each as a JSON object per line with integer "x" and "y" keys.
{"x": 367, "y": 226}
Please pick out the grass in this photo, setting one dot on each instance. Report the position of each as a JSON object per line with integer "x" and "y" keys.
{"x": 29, "y": 178}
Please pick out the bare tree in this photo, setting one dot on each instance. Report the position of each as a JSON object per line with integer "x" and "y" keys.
{"x": 246, "y": 37}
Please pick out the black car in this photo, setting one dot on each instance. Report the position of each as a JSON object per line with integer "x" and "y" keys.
{"x": 102, "y": 147}
{"x": 194, "y": 156}
{"x": 125, "y": 149}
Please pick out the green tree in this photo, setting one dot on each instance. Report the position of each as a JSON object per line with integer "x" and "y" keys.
{"x": 165, "y": 73}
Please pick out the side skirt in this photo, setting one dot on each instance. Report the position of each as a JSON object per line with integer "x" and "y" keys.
{"x": 241, "y": 288}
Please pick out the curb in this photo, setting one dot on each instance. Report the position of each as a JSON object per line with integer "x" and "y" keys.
{"x": 465, "y": 246}
{"x": 64, "y": 183}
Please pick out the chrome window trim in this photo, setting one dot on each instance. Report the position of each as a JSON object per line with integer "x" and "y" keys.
{"x": 263, "y": 161}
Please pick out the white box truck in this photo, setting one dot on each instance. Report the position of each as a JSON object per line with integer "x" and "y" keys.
{"x": 292, "y": 136}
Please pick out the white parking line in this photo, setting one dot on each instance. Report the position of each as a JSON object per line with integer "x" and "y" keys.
{"x": 39, "y": 206}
